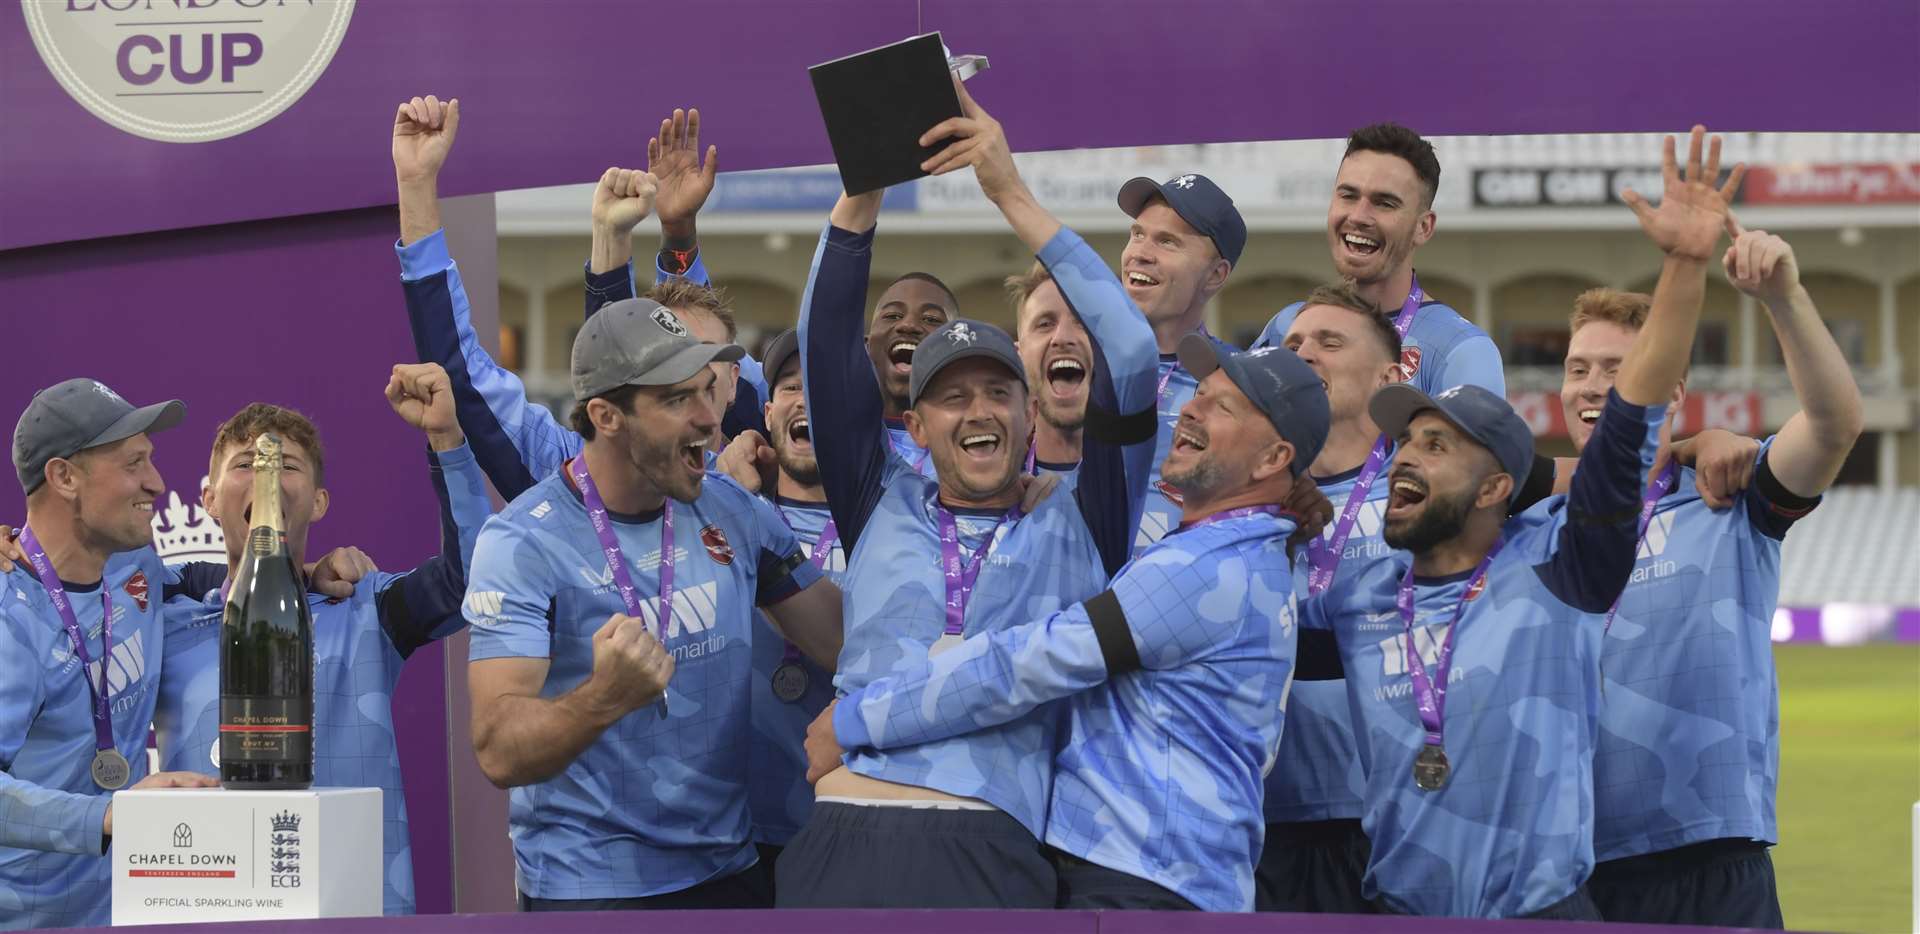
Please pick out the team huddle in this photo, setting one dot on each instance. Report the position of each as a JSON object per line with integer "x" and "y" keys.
{"x": 915, "y": 613}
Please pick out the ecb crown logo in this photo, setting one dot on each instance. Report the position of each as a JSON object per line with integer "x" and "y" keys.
{"x": 186, "y": 71}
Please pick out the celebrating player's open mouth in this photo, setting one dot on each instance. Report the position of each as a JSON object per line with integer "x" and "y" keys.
{"x": 1407, "y": 493}
{"x": 1066, "y": 377}
{"x": 799, "y": 433}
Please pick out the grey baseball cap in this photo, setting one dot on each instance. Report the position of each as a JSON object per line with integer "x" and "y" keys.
{"x": 69, "y": 417}
{"x": 1481, "y": 415}
{"x": 638, "y": 342}
{"x": 957, "y": 340}
{"x": 1278, "y": 383}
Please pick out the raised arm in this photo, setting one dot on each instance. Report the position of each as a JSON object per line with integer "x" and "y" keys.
{"x": 1117, "y": 449}
{"x": 1596, "y": 546}
{"x": 514, "y": 440}
{"x": 677, "y": 183}
{"x": 843, "y": 396}
{"x": 423, "y": 605}
{"x": 1813, "y": 444}
{"x": 1686, "y": 227}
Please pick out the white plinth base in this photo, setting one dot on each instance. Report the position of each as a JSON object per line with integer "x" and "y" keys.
{"x": 215, "y": 855}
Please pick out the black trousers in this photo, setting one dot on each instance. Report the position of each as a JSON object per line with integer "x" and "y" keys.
{"x": 750, "y": 888}
{"x": 1313, "y": 866}
{"x": 1086, "y": 886}
{"x": 1718, "y": 883}
{"x": 863, "y": 856}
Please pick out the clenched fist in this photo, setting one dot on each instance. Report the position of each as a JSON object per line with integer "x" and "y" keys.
{"x": 630, "y": 667}
{"x": 623, "y": 199}
{"x": 422, "y": 394}
{"x": 423, "y": 131}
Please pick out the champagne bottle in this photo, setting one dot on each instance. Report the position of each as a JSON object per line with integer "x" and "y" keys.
{"x": 266, "y": 650}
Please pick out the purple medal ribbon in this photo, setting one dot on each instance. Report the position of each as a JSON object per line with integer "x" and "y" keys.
{"x": 1224, "y": 515}
{"x": 1431, "y": 699}
{"x": 960, "y": 580}
{"x": 1403, "y": 322}
{"x": 617, "y": 562}
{"x": 822, "y": 549}
{"x": 1323, "y": 555}
{"x": 1661, "y": 485}
{"x": 102, "y": 708}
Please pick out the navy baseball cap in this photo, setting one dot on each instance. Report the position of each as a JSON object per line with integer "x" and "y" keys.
{"x": 958, "y": 340}
{"x": 1277, "y": 382}
{"x": 72, "y": 416}
{"x": 1199, "y": 202}
{"x": 1481, "y": 415}
{"x": 784, "y": 346}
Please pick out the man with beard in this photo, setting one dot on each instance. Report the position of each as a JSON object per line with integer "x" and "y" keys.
{"x": 1185, "y": 238}
{"x": 1489, "y": 812}
{"x": 1175, "y": 677}
{"x": 955, "y": 823}
{"x": 789, "y": 690}
{"x": 1381, "y": 212}
{"x": 1058, "y": 356}
{"x": 80, "y": 643}
{"x": 616, "y": 805}
{"x": 1689, "y": 750}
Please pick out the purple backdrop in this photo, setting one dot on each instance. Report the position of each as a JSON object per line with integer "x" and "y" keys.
{"x": 304, "y": 312}
{"x": 546, "y": 87}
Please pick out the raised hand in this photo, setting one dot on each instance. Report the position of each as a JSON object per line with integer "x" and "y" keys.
{"x": 423, "y": 131}
{"x": 674, "y": 159}
{"x": 623, "y": 198}
{"x": 1692, "y": 211}
{"x": 1760, "y": 264}
{"x": 630, "y": 667}
{"x": 421, "y": 394}
{"x": 978, "y": 141}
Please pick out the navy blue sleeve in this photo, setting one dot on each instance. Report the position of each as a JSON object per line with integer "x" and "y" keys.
{"x": 844, "y": 407}
{"x": 608, "y": 287}
{"x": 746, "y": 413}
{"x": 1595, "y": 550}
{"x": 195, "y": 580}
{"x": 1114, "y": 468}
{"x": 424, "y": 604}
{"x": 1771, "y": 507}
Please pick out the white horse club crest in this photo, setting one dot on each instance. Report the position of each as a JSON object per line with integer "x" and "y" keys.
{"x": 1183, "y": 182}
{"x": 961, "y": 334}
{"x": 668, "y": 323}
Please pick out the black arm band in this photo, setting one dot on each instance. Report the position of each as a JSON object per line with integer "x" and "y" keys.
{"x": 1122, "y": 430}
{"x": 1784, "y": 501}
{"x": 1116, "y": 638}
{"x": 1316, "y": 656}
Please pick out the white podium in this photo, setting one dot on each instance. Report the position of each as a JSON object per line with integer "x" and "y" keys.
{"x": 215, "y": 855}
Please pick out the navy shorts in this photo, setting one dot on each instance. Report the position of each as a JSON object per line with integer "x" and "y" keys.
{"x": 1313, "y": 866}
{"x": 1718, "y": 883}
{"x": 751, "y": 888}
{"x": 1088, "y": 886}
{"x": 865, "y": 856}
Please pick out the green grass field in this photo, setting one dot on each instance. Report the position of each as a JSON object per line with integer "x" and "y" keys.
{"x": 1849, "y": 777}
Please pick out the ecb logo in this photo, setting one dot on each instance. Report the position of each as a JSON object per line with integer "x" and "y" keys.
{"x": 283, "y": 851}
{"x": 186, "y": 71}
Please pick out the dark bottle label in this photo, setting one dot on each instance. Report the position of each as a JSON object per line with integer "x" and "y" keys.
{"x": 266, "y": 729}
